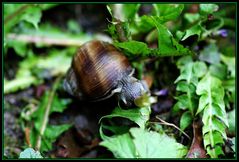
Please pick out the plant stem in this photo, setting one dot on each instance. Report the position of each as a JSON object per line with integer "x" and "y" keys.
{"x": 47, "y": 112}
{"x": 44, "y": 40}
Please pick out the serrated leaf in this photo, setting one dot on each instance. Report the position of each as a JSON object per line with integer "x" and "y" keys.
{"x": 140, "y": 143}
{"x": 187, "y": 74}
{"x": 215, "y": 152}
{"x": 138, "y": 115}
{"x": 121, "y": 146}
{"x": 203, "y": 101}
{"x": 212, "y": 138}
{"x": 185, "y": 120}
{"x": 166, "y": 43}
{"x": 30, "y": 153}
{"x": 215, "y": 125}
{"x": 149, "y": 145}
{"x": 214, "y": 114}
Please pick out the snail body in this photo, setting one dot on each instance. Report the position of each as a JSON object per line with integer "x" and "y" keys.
{"x": 98, "y": 71}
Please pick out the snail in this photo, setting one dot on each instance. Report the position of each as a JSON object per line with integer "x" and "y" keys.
{"x": 98, "y": 71}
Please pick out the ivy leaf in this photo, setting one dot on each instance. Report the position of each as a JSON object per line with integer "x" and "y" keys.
{"x": 208, "y": 8}
{"x": 185, "y": 120}
{"x": 138, "y": 115}
{"x": 30, "y": 153}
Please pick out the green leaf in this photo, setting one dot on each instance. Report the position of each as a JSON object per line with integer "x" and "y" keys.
{"x": 52, "y": 131}
{"x": 231, "y": 64}
{"x": 208, "y": 8}
{"x": 182, "y": 61}
{"x": 183, "y": 86}
{"x": 185, "y": 120}
{"x": 30, "y": 153}
{"x": 194, "y": 30}
{"x": 210, "y": 54}
{"x": 33, "y": 16}
{"x": 218, "y": 70}
{"x": 56, "y": 63}
{"x": 231, "y": 116}
{"x": 20, "y": 84}
{"x": 123, "y": 12}
{"x": 187, "y": 74}
{"x": 214, "y": 117}
{"x": 149, "y": 145}
{"x": 140, "y": 143}
{"x": 215, "y": 152}
{"x": 16, "y": 13}
{"x": 50, "y": 135}
{"x": 167, "y": 12}
{"x": 216, "y": 125}
{"x": 203, "y": 101}
{"x": 121, "y": 146}
{"x": 134, "y": 47}
{"x": 138, "y": 115}
{"x": 166, "y": 43}
{"x": 192, "y": 17}
{"x": 143, "y": 24}
{"x": 19, "y": 47}
{"x": 199, "y": 69}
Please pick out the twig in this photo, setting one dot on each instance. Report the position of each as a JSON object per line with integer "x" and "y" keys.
{"x": 27, "y": 136}
{"x": 172, "y": 125}
{"x": 45, "y": 40}
{"x": 47, "y": 112}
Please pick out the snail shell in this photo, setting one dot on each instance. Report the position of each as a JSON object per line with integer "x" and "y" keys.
{"x": 98, "y": 71}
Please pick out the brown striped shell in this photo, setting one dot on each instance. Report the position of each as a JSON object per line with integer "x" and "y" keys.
{"x": 96, "y": 70}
